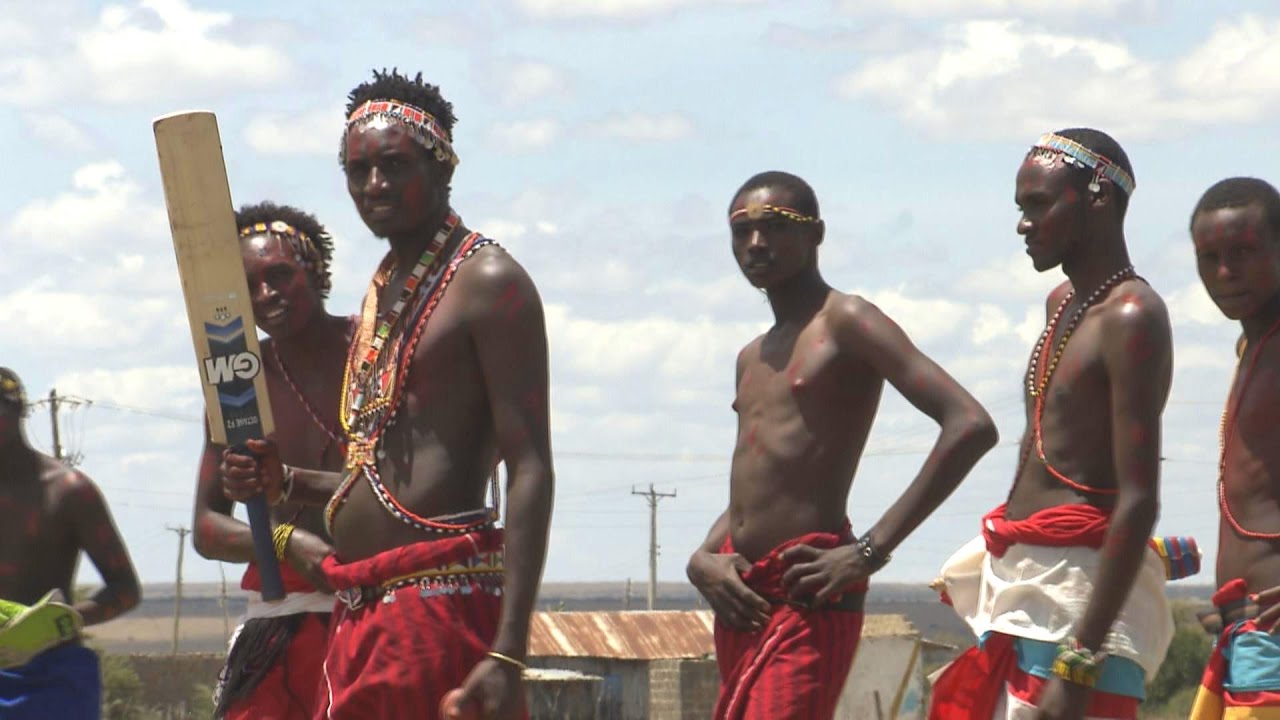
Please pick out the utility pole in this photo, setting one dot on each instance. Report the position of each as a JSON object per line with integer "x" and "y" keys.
{"x": 56, "y": 402}
{"x": 53, "y": 417}
{"x": 652, "y": 496}
{"x": 226, "y": 613}
{"x": 177, "y": 595}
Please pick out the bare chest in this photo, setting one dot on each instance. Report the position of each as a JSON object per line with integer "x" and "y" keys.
{"x": 1072, "y": 379}
{"x": 32, "y": 528}
{"x": 790, "y": 377}
{"x": 1252, "y": 424}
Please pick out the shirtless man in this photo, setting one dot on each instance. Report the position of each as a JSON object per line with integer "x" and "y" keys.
{"x": 447, "y": 375}
{"x": 273, "y": 667}
{"x": 52, "y": 512}
{"x": 1063, "y": 573}
{"x": 781, "y": 567}
{"x": 1236, "y": 231}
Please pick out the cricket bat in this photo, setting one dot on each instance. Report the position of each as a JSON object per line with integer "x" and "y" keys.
{"x": 223, "y": 331}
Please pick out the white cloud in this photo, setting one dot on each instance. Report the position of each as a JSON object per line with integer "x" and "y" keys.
{"x": 991, "y": 323}
{"x": 174, "y": 388}
{"x": 1192, "y": 305}
{"x": 148, "y": 50}
{"x": 999, "y": 8}
{"x": 310, "y": 132}
{"x": 104, "y": 199}
{"x": 924, "y": 319}
{"x": 58, "y": 131}
{"x": 519, "y": 81}
{"x": 987, "y": 78}
{"x": 613, "y": 9}
{"x": 1189, "y": 357}
{"x": 46, "y": 316}
{"x": 645, "y": 127}
{"x": 676, "y": 348}
{"x": 1011, "y": 277}
{"x": 525, "y": 136}
{"x": 500, "y": 229}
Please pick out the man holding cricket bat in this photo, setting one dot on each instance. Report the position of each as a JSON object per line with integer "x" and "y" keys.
{"x": 447, "y": 375}
{"x": 273, "y": 667}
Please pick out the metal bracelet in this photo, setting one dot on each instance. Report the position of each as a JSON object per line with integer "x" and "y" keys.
{"x": 870, "y": 553}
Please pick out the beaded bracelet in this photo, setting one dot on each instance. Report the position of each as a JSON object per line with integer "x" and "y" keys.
{"x": 280, "y": 538}
{"x": 1077, "y": 664}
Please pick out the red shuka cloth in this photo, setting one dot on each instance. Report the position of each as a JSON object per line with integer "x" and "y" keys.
{"x": 1062, "y": 526}
{"x": 398, "y": 659}
{"x": 294, "y": 582}
{"x": 289, "y": 691}
{"x": 796, "y": 666}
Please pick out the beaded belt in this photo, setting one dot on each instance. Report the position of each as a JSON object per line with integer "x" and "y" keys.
{"x": 457, "y": 579}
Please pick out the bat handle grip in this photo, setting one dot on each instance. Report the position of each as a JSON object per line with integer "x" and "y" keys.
{"x": 263, "y": 545}
{"x": 264, "y": 549}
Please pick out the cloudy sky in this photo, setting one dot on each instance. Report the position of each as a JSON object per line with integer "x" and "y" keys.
{"x": 601, "y": 141}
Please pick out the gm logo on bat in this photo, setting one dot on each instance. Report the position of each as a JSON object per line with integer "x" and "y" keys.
{"x": 228, "y": 368}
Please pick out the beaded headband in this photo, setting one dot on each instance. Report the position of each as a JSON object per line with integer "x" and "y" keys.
{"x": 11, "y": 391}
{"x": 305, "y": 251}
{"x": 423, "y": 127}
{"x": 1073, "y": 153}
{"x": 755, "y": 211}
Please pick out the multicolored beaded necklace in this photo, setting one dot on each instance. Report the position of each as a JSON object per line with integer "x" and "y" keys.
{"x": 375, "y": 377}
{"x": 1039, "y": 373}
{"x": 1227, "y": 427}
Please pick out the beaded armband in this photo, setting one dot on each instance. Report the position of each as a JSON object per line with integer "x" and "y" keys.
{"x": 280, "y": 539}
{"x": 870, "y": 553}
{"x": 1078, "y": 664}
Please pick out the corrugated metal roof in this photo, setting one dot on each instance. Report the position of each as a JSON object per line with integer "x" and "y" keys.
{"x": 621, "y": 635}
{"x": 650, "y": 635}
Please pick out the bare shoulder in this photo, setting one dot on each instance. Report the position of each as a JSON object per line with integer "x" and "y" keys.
{"x": 1135, "y": 306}
{"x": 748, "y": 351}
{"x": 70, "y": 487}
{"x": 1135, "y": 324}
{"x": 848, "y": 316}
{"x": 1056, "y": 296}
{"x": 494, "y": 280}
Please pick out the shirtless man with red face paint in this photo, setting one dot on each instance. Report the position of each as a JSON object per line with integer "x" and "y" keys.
{"x": 50, "y": 514}
{"x": 1064, "y": 589}
{"x": 446, "y": 376}
{"x": 781, "y": 567}
{"x": 1235, "y": 228}
{"x": 273, "y": 669}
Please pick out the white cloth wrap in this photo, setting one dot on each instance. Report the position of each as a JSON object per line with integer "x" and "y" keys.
{"x": 294, "y": 603}
{"x": 1040, "y": 593}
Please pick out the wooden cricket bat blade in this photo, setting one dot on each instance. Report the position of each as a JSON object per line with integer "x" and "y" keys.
{"x": 223, "y": 333}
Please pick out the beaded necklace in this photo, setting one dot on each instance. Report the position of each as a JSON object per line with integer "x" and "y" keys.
{"x": 1039, "y": 374}
{"x": 1227, "y": 427}
{"x": 368, "y": 408}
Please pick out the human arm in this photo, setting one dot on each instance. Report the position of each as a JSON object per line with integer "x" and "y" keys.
{"x": 96, "y": 534}
{"x": 1139, "y": 360}
{"x": 509, "y": 333}
{"x": 217, "y": 534}
{"x": 865, "y": 334}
